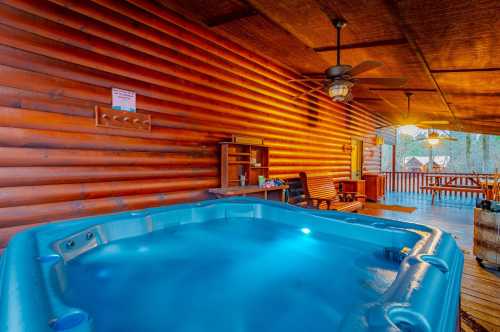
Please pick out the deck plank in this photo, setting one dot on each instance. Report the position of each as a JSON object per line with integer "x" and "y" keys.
{"x": 479, "y": 305}
{"x": 481, "y": 294}
{"x": 485, "y": 287}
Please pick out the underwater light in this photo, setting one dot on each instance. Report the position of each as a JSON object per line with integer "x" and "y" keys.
{"x": 305, "y": 230}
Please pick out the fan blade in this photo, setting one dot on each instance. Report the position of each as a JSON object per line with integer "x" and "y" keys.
{"x": 441, "y": 138}
{"x": 390, "y": 82}
{"x": 308, "y": 92}
{"x": 313, "y": 75}
{"x": 306, "y": 79}
{"x": 365, "y": 66}
{"x": 338, "y": 70}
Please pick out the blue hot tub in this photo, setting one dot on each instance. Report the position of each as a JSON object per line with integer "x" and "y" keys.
{"x": 237, "y": 264}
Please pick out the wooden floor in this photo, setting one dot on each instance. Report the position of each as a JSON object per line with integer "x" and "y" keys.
{"x": 480, "y": 296}
{"x": 480, "y": 287}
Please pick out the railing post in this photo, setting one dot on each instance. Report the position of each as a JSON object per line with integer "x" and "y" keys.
{"x": 393, "y": 167}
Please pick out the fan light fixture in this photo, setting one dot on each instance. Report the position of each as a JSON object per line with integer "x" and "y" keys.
{"x": 340, "y": 90}
{"x": 433, "y": 138}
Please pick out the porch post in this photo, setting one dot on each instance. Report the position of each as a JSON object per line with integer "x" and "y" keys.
{"x": 393, "y": 167}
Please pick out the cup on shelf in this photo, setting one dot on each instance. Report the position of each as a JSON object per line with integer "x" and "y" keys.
{"x": 262, "y": 180}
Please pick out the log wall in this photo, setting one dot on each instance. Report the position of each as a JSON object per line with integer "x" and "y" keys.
{"x": 60, "y": 58}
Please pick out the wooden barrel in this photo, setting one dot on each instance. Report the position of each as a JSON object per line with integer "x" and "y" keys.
{"x": 487, "y": 236}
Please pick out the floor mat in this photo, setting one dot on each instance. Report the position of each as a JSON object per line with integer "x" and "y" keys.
{"x": 399, "y": 208}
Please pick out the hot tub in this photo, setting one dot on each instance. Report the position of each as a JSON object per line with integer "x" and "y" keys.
{"x": 237, "y": 264}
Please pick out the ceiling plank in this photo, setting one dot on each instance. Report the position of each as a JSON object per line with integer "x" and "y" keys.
{"x": 407, "y": 33}
{"x": 469, "y": 82}
{"x": 234, "y": 16}
{"x": 455, "y": 34}
{"x": 448, "y": 51}
{"x": 266, "y": 37}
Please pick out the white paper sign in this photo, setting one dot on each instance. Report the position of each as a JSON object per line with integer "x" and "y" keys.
{"x": 123, "y": 100}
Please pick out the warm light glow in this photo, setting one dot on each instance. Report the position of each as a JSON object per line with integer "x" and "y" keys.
{"x": 305, "y": 230}
{"x": 433, "y": 141}
{"x": 411, "y": 130}
{"x": 339, "y": 90}
{"x": 433, "y": 138}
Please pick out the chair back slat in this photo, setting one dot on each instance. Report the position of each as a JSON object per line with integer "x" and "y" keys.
{"x": 319, "y": 187}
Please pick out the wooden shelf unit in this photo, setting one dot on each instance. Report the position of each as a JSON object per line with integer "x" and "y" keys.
{"x": 236, "y": 159}
{"x": 239, "y": 154}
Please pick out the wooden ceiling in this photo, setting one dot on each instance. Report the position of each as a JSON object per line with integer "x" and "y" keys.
{"x": 449, "y": 50}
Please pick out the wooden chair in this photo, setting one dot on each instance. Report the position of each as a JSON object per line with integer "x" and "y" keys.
{"x": 496, "y": 187}
{"x": 321, "y": 193}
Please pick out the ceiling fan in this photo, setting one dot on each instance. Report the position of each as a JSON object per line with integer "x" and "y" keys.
{"x": 433, "y": 137}
{"x": 339, "y": 79}
{"x": 424, "y": 123}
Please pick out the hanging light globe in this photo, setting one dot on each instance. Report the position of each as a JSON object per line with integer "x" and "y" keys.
{"x": 433, "y": 138}
{"x": 340, "y": 90}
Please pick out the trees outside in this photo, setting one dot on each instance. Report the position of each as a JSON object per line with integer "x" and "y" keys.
{"x": 485, "y": 144}
{"x": 386, "y": 158}
{"x": 470, "y": 153}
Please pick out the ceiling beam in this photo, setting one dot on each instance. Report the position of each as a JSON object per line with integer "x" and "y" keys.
{"x": 492, "y": 123}
{"x": 237, "y": 15}
{"x": 471, "y": 128}
{"x": 484, "y": 118}
{"x": 464, "y": 70}
{"x": 403, "y": 89}
{"x": 473, "y": 94}
{"x": 375, "y": 43}
{"x": 409, "y": 35}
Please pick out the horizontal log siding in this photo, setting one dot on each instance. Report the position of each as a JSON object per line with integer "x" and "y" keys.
{"x": 58, "y": 59}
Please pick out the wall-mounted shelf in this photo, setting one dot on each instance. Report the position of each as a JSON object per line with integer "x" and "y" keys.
{"x": 238, "y": 159}
{"x": 239, "y": 154}
{"x": 239, "y": 162}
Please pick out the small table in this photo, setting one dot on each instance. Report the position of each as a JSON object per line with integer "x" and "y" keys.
{"x": 252, "y": 190}
{"x": 354, "y": 187}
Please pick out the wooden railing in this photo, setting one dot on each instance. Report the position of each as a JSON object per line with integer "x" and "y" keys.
{"x": 412, "y": 182}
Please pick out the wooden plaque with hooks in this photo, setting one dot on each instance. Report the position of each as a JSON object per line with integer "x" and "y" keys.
{"x": 110, "y": 118}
